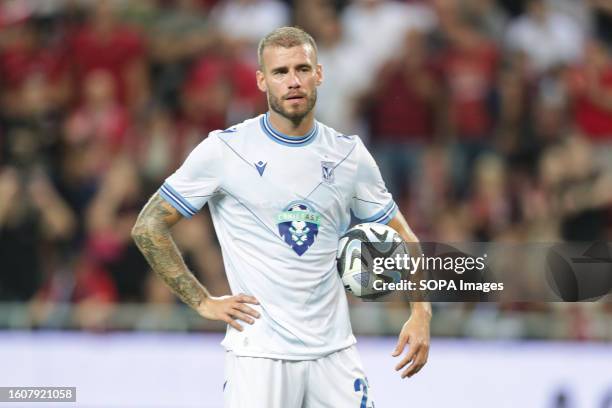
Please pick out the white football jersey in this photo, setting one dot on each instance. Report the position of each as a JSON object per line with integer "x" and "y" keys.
{"x": 279, "y": 205}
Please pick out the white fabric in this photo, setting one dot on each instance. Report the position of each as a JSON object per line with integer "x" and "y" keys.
{"x": 279, "y": 205}
{"x": 334, "y": 381}
{"x": 378, "y": 28}
{"x": 342, "y": 84}
{"x": 557, "y": 40}
{"x": 250, "y": 20}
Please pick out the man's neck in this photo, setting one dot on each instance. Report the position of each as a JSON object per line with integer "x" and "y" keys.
{"x": 287, "y": 127}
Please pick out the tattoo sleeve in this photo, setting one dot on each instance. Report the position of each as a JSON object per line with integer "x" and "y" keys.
{"x": 151, "y": 233}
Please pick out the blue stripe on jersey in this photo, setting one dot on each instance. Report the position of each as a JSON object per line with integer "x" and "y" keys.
{"x": 179, "y": 197}
{"x": 284, "y": 139}
{"x": 175, "y": 204}
{"x": 384, "y": 215}
{"x": 389, "y": 215}
{"x": 177, "y": 200}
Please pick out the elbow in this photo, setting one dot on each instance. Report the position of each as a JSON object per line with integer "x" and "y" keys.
{"x": 138, "y": 230}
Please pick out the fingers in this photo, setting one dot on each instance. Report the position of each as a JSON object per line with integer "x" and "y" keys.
{"x": 417, "y": 357}
{"x": 246, "y": 309}
{"x": 236, "y": 314}
{"x": 227, "y": 319}
{"x": 238, "y": 310}
{"x": 230, "y": 309}
{"x": 416, "y": 365}
{"x": 407, "y": 358}
{"x": 401, "y": 343}
{"x": 247, "y": 299}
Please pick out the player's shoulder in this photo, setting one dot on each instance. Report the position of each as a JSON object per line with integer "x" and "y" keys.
{"x": 332, "y": 136}
{"x": 339, "y": 141}
{"x": 239, "y": 130}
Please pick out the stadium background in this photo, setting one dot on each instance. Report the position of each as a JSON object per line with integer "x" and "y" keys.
{"x": 490, "y": 120}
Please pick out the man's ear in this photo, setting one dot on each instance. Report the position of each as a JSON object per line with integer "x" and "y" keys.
{"x": 261, "y": 81}
{"x": 319, "y": 74}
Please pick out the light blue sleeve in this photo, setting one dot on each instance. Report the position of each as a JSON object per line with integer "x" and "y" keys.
{"x": 197, "y": 180}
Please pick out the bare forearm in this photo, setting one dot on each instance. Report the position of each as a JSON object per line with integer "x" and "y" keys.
{"x": 400, "y": 224}
{"x": 152, "y": 236}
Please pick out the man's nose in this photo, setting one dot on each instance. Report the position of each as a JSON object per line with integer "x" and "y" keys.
{"x": 294, "y": 80}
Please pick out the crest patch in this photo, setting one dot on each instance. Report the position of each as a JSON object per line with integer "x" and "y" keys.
{"x": 327, "y": 171}
{"x": 299, "y": 226}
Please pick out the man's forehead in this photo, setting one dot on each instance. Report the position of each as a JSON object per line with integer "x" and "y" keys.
{"x": 279, "y": 55}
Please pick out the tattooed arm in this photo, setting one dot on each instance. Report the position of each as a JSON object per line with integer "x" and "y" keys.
{"x": 151, "y": 233}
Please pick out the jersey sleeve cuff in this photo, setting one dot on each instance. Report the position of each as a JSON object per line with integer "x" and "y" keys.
{"x": 177, "y": 201}
{"x": 385, "y": 215}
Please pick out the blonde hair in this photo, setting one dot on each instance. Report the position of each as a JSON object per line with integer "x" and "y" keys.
{"x": 285, "y": 37}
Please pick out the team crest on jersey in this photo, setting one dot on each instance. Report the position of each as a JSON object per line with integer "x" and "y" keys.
{"x": 299, "y": 226}
{"x": 327, "y": 171}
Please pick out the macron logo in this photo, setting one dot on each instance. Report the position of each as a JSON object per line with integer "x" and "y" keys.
{"x": 260, "y": 166}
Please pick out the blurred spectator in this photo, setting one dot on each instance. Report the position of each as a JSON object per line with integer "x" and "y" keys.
{"x": 220, "y": 90}
{"x": 602, "y": 13}
{"x": 102, "y": 43}
{"x": 178, "y": 35}
{"x": 487, "y": 16}
{"x": 469, "y": 66}
{"x": 31, "y": 214}
{"x": 591, "y": 88}
{"x": 546, "y": 37}
{"x": 489, "y": 201}
{"x": 378, "y": 28}
{"x": 401, "y": 112}
{"x": 433, "y": 192}
{"x": 33, "y": 93}
{"x": 99, "y": 127}
{"x": 25, "y": 62}
{"x": 583, "y": 196}
{"x": 308, "y": 15}
{"x": 159, "y": 151}
{"x": 244, "y": 22}
{"x": 342, "y": 82}
{"x": 110, "y": 218}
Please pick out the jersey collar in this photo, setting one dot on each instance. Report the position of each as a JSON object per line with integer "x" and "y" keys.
{"x": 284, "y": 139}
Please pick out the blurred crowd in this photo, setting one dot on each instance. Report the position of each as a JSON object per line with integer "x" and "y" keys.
{"x": 490, "y": 121}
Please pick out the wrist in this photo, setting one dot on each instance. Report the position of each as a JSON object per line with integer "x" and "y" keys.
{"x": 421, "y": 310}
{"x": 204, "y": 305}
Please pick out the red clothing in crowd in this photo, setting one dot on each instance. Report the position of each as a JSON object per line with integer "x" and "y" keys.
{"x": 213, "y": 84}
{"x": 106, "y": 128}
{"x": 400, "y": 112}
{"x": 594, "y": 120}
{"x": 17, "y": 64}
{"x": 115, "y": 53}
{"x": 470, "y": 79}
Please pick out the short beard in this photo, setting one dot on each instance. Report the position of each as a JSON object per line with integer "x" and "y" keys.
{"x": 297, "y": 117}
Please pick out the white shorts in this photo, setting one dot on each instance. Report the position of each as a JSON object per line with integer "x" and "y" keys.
{"x": 333, "y": 381}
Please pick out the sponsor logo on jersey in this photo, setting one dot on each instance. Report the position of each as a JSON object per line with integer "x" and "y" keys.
{"x": 298, "y": 225}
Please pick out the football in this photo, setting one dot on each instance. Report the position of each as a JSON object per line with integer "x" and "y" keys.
{"x": 357, "y": 250}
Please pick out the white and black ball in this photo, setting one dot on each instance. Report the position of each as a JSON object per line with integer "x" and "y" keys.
{"x": 358, "y": 248}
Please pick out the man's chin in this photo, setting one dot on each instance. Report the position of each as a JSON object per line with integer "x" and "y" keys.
{"x": 294, "y": 115}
